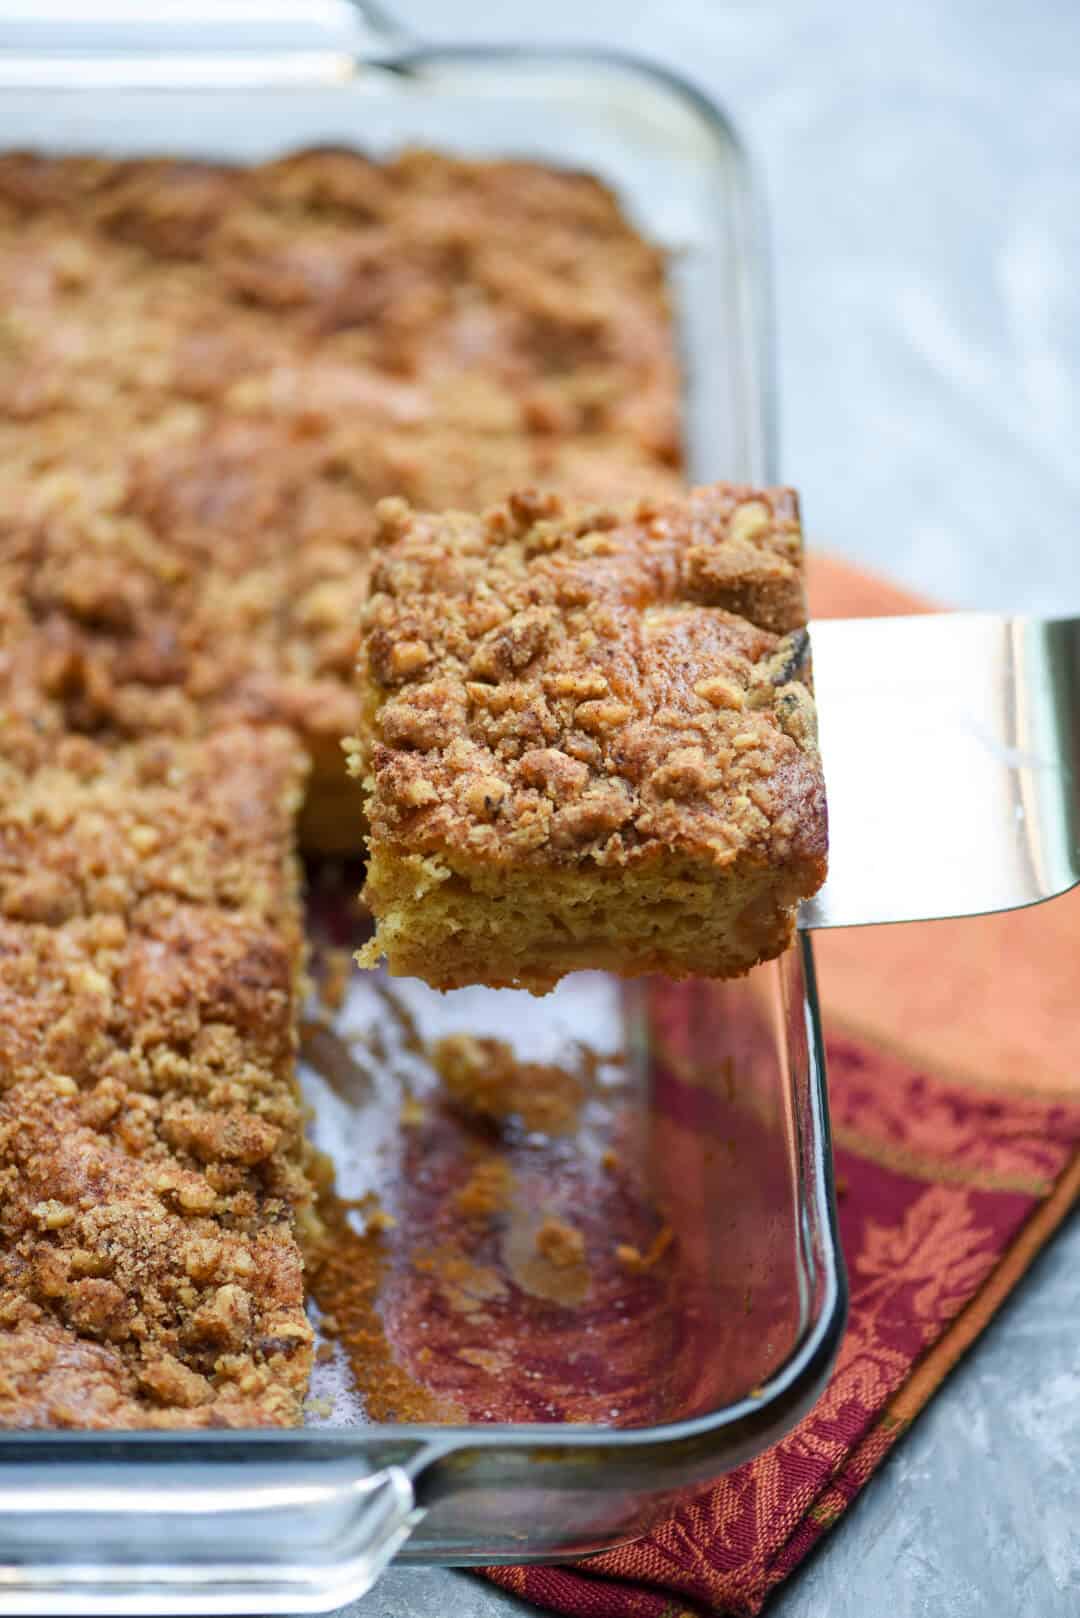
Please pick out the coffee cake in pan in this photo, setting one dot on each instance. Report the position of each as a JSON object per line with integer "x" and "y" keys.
{"x": 209, "y": 377}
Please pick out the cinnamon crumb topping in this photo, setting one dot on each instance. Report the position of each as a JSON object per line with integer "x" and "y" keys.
{"x": 151, "y": 1137}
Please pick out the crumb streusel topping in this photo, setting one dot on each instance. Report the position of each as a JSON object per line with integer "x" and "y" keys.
{"x": 557, "y": 683}
{"x": 152, "y": 1154}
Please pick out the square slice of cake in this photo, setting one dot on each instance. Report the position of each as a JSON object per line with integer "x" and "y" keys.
{"x": 588, "y": 739}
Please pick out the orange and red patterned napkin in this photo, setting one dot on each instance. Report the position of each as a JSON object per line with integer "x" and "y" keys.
{"x": 956, "y": 1120}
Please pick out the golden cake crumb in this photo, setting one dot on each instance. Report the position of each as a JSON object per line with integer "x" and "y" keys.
{"x": 633, "y": 1259}
{"x": 487, "y": 1191}
{"x": 336, "y": 966}
{"x": 484, "y": 1076}
{"x": 560, "y": 1243}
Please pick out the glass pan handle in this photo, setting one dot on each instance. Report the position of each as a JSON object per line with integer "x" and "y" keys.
{"x": 65, "y": 44}
{"x": 221, "y": 1542}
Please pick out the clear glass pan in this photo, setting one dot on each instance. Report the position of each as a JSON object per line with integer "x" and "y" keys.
{"x": 725, "y": 1084}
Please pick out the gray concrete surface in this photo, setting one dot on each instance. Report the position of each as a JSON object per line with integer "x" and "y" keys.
{"x": 922, "y": 166}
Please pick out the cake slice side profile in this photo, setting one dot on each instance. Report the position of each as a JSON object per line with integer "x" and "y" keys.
{"x": 588, "y": 739}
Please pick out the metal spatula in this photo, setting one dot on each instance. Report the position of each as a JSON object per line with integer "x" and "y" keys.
{"x": 951, "y": 746}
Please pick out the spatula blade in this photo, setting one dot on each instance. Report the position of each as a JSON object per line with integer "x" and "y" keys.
{"x": 950, "y": 744}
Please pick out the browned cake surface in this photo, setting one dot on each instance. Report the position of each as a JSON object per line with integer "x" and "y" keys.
{"x": 87, "y": 830}
{"x": 588, "y": 737}
{"x": 151, "y": 1133}
{"x": 208, "y": 376}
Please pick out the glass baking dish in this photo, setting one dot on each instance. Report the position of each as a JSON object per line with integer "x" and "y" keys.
{"x": 716, "y": 1093}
